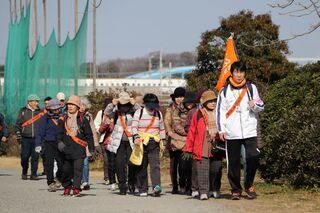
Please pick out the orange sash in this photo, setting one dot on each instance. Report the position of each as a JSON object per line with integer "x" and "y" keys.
{"x": 74, "y": 138}
{"x": 33, "y": 119}
{"x": 124, "y": 126}
{"x": 237, "y": 102}
{"x": 151, "y": 122}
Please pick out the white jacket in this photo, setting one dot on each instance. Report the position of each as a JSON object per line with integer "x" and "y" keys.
{"x": 242, "y": 123}
{"x": 97, "y": 123}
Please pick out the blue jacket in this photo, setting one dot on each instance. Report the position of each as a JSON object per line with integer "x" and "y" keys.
{"x": 47, "y": 129}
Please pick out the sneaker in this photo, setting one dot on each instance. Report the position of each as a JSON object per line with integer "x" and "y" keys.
{"x": 33, "y": 177}
{"x": 203, "y": 197}
{"x": 24, "y": 177}
{"x": 106, "y": 182}
{"x": 51, "y": 188}
{"x": 67, "y": 191}
{"x": 216, "y": 194}
{"x": 195, "y": 194}
{"x": 235, "y": 196}
{"x": 76, "y": 192}
{"x": 113, "y": 187}
{"x": 132, "y": 189}
{"x": 57, "y": 184}
{"x": 251, "y": 194}
{"x": 86, "y": 186}
{"x": 156, "y": 191}
{"x": 210, "y": 194}
{"x": 123, "y": 191}
{"x": 143, "y": 194}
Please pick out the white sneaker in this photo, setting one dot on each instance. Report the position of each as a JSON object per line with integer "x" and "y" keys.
{"x": 195, "y": 194}
{"x": 143, "y": 194}
{"x": 113, "y": 187}
{"x": 203, "y": 197}
{"x": 83, "y": 185}
{"x": 216, "y": 194}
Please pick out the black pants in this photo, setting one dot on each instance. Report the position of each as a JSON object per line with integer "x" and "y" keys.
{"x": 124, "y": 171}
{"x": 151, "y": 154}
{"x": 27, "y": 150}
{"x": 175, "y": 157}
{"x": 52, "y": 153}
{"x": 111, "y": 166}
{"x": 233, "y": 159}
{"x": 105, "y": 162}
{"x": 72, "y": 172}
{"x": 215, "y": 174}
{"x": 185, "y": 173}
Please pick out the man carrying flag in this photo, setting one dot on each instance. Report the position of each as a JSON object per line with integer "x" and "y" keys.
{"x": 238, "y": 104}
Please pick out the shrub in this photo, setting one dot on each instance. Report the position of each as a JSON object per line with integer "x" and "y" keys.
{"x": 290, "y": 129}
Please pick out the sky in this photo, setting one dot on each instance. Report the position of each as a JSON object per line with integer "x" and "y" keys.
{"x": 133, "y": 28}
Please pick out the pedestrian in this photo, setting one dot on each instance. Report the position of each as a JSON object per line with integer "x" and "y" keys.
{"x": 62, "y": 98}
{"x": 46, "y": 139}
{"x": 199, "y": 146}
{"x": 3, "y": 129}
{"x": 26, "y": 126}
{"x": 238, "y": 104}
{"x": 103, "y": 129}
{"x": 149, "y": 135}
{"x": 85, "y": 105}
{"x": 74, "y": 136}
{"x": 179, "y": 126}
{"x": 42, "y": 155}
{"x": 121, "y": 141}
{"x": 173, "y": 140}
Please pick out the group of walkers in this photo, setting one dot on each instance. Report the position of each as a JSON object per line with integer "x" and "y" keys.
{"x": 198, "y": 129}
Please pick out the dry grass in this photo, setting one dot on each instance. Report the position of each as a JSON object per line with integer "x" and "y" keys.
{"x": 271, "y": 197}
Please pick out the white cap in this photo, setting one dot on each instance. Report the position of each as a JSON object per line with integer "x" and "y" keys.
{"x": 61, "y": 96}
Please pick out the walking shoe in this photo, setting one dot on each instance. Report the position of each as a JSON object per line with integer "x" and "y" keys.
{"x": 203, "y": 197}
{"x": 123, "y": 191}
{"x": 235, "y": 196}
{"x": 24, "y": 177}
{"x": 195, "y": 194}
{"x": 143, "y": 194}
{"x": 156, "y": 191}
{"x": 67, "y": 191}
{"x": 57, "y": 184}
{"x": 132, "y": 189}
{"x": 113, "y": 187}
{"x": 210, "y": 194}
{"x": 85, "y": 186}
{"x": 76, "y": 192}
{"x": 51, "y": 188}
{"x": 33, "y": 177}
{"x": 174, "y": 191}
{"x": 251, "y": 194}
{"x": 216, "y": 194}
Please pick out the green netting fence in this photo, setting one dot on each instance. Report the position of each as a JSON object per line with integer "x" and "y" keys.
{"x": 51, "y": 69}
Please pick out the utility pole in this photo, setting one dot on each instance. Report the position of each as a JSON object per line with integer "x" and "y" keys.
{"x": 170, "y": 67}
{"x": 14, "y": 10}
{"x": 44, "y": 21}
{"x": 160, "y": 69}
{"x": 21, "y": 13}
{"x": 35, "y": 26}
{"x": 75, "y": 17}
{"x": 59, "y": 23}
{"x": 94, "y": 45}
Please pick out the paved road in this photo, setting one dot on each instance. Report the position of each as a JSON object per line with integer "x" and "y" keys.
{"x": 26, "y": 196}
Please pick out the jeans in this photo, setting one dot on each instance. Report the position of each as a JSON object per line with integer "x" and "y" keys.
{"x": 85, "y": 173}
{"x": 27, "y": 150}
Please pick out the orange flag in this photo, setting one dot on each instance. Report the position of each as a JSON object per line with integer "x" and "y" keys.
{"x": 230, "y": 56}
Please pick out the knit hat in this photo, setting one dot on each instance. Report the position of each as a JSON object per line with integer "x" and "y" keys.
{"x": 61, "y": 96}
{"x": 178, "y": 92}
{"x": 190, "y": 97}
{"x": 124, "y": 98}
{"x": 208, "y": 95}
{"x": 75, "y": 100}
{"x": 33, "y": 97}
{"x": 54, "y": 104}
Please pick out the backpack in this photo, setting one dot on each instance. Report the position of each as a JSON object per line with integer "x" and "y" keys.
{"x": 249, "y": 86}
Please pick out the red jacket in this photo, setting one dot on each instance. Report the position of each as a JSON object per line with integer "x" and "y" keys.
{"x": 195, "y": 136}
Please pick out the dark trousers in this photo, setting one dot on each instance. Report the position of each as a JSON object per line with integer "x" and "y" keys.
{"x": 72, "y": 172}
{"x": 111, "y": 166}
{"x": 195, "y": 185}
{"x": 233, "y": 159}
{"x": 151, "y": 154}
{"x": 124, "y": 171}
{"x": 52, "y": 153}
{"x": 185, "y": 174}
{"x": 175, "y": 157}
{"x": 27, "y": 150}
{"x": 215, "y": 174}
{"x": 105, "y": 162}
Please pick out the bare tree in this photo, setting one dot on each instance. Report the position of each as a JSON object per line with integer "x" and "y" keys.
{"x": 300, "y": 8}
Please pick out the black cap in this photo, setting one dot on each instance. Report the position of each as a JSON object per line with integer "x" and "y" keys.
{"x": 178, "y": 92}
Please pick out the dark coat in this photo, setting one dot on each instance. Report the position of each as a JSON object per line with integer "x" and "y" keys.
{"x": 73, "y": 150}
{"x": 24, "y": 115}
{"x": 47, "y": 129}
